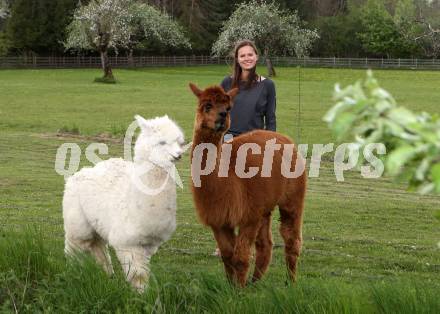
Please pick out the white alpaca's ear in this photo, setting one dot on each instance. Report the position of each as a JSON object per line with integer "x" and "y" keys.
{"x": 143, "y": 124}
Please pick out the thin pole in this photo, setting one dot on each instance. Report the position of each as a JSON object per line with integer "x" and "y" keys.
{"x": 298, "y": 122}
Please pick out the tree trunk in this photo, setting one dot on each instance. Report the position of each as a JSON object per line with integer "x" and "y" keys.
{"x": 108, "y": 74}
{"x": 270, "y": 69}
{"x": 191, "y": 13}
{"x": 130, "y": 58}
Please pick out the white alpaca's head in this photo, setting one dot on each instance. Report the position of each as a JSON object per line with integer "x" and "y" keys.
{"x": 160, "y": 141}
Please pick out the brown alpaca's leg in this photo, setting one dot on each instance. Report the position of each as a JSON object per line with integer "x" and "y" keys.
{"x": 263, "y": 248}
{"x": 225, "y": 238}
{"x": 290, "y": 229}
{"x": 242, "y": 252}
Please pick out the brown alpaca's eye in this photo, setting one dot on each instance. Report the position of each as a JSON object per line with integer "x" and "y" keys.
{"x": 228, "y": 109}
{"x": 208, "y": 106}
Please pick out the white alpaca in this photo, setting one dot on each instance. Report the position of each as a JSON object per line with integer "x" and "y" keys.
{"x": 111, "y": 202}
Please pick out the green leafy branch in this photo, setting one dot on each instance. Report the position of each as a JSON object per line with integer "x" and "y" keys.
{"x": 366, "y": 113}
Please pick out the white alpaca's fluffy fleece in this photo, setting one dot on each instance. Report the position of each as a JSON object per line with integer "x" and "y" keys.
{"x": 112, "y": 202}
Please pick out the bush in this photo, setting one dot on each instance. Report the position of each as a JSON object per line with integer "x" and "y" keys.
{"x": 4, "y": 44}
{"x": 69, "y": 130}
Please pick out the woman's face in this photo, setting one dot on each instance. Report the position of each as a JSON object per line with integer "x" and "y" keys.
{"x": 247, "y": 58}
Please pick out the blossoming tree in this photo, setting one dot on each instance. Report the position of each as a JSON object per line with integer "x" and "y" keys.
{"x": 273, "y": 30}
{"x": 4, "y": 11}
{"x": 104, "y": 24}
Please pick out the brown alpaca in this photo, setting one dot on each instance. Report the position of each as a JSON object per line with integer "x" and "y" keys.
{"x": 229, "y": 203}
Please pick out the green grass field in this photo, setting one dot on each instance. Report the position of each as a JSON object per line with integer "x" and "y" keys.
{"x": 369, "y": 246}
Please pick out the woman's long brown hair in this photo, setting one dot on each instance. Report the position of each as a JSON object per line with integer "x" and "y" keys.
{"x": 237, "y": 70}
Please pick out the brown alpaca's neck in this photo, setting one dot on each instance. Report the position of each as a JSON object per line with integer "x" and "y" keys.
{"x": 205, "y": 136}
{"x": 202, "y": 135}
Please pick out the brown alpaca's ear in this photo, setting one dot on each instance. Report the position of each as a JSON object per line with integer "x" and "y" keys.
{"x": 233, "y": 92}
{"x": 195, "y": 89}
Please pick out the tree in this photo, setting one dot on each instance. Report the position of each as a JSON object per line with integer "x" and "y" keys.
{"x": 202, "y": 18}
{"x": 379, "y": 35}
{"x": 104, "y": 24}
{"x": 383, "y": 34}
{"x": 4, "y": 42}
{"x": 429, "y": 40}
{"x": 406, "y": 33}
{"x": 36, "y": 26}
{"x": 405, "y": 19}
{"x": 338, "y": 36}
{"x": 4, "y": 9}
{"x": 274, "y": 31}
{"x": 329, "y": 7}
{"x": 369, "y": 114}
{"x": 428, "y": 21}
{"x": 405, "y": 15}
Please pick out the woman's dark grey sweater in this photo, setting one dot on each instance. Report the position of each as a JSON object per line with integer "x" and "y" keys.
{"x": 254, "y": 108}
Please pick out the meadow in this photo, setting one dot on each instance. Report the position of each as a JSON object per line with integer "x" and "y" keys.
{"x": 369, "y": 245}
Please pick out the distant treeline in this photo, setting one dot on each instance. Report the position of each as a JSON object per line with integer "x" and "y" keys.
{"x": 347, "y": 28}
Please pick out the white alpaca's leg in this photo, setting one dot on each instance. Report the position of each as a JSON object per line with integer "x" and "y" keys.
{"x": 95, "y": 246}
{"x": 78, "y": 231}
{"x": 135, "y": 263}
{"x": 100, "y": 251}
{"x": 75, "y": 245}
{"x": 80, "y": 236}
{"x": 71, "y": 246}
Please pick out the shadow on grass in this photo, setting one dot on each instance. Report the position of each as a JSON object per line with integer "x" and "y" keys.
{"x": 35, "y": 278}
{"x": 105, "y": 80}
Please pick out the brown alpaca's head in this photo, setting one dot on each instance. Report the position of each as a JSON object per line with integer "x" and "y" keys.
{"x": 214, "y": 107}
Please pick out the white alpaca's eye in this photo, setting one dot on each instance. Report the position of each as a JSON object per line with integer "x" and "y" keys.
{"x": 162, "y": 143}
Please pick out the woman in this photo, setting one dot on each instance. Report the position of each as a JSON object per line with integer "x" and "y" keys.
{"x": 255, "y": 104}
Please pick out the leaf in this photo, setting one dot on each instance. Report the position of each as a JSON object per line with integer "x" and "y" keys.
{"x": 422, "y": 169}
{"x": 370, "y": 82}
{"x": 374, "y": 137}
{"x": 394, "y": 128}
{"x": 335, "y": 110}
{"x": 398, "y": 158}
{"x": 402, "y": 115}
{"x": 361, "y": 106}
{"x": 342, "y": 124}
{"x": 415, "y": 127}
{"x": 409, "y": 137}
{"x": 426, "y": 188}
{"x": 383, "y": 105}
{"x": 381, "y": 93}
